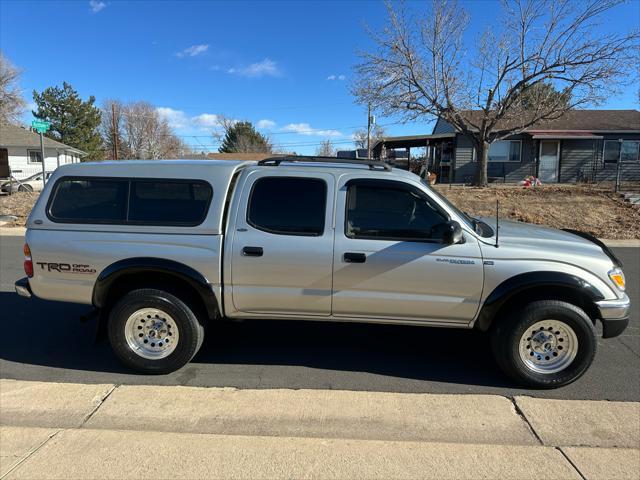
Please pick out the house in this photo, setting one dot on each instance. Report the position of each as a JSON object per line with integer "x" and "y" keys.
{"x": 582, "y": 145}
{"x": 20, "y": 151}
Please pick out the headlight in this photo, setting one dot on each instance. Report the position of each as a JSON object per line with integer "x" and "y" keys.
{"x": 617, "y": 277}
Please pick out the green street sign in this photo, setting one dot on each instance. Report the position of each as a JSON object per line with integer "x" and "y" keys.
{"x": 40, "y": 126}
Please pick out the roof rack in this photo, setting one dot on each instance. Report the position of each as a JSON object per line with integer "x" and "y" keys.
{"x": 372, "y": 164}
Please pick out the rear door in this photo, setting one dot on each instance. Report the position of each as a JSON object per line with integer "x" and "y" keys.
{"x": 282, "y": 245}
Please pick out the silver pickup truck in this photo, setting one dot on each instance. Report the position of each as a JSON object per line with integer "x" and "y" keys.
{"x": 161, "y": 248}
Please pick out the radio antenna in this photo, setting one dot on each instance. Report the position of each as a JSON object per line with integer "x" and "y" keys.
{"x": 497, "y": 222}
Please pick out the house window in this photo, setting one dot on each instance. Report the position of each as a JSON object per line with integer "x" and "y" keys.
{"x": 505, "y": 151}
{"x": 35, "y": 156}
{"x": 630, "y": 151}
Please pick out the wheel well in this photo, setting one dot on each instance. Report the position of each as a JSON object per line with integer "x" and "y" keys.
{"x": 173, "y": 284}
{"x": 561, "y": 293}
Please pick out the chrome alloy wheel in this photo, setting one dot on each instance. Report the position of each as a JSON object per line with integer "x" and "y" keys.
{"x": 151, "y": 333}
{"x": 548, "y": 346}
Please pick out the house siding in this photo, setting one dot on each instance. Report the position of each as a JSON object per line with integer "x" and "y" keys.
{"x": 465, "y": 164}
{"x": 580, "y": 160}
{"x": 629, "y": 171}
{"x": 22, "y": 168}
{"x": 576, "y": 160}
{"x": 465, "y": 167}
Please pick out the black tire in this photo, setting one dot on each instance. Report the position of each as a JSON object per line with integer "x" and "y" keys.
{"x": 25, "y": 188}
{"x": 191, "y": 331}
{"x": 509, "y": 330}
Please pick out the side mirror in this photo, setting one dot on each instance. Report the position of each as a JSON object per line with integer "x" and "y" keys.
{"x": 452, "y": 233}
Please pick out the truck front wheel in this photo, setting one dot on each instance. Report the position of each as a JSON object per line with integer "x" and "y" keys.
{"x": 154, "y": 332}
{"x": 545, "y": 344}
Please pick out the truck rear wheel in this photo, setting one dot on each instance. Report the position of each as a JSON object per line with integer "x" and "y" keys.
{"x": 545, "y": 344}
{"x": 154, "y": 332}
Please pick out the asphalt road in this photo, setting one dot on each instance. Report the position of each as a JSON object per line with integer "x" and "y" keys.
{"x": 43, "y": 340}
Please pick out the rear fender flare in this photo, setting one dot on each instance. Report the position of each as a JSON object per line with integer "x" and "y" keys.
{"x": 150, "y": 265}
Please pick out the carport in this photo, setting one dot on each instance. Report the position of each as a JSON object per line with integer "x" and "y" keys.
{"x": 439, "y": 147}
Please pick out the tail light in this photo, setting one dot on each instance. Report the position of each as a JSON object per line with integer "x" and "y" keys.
{"x": 28, "y": 263}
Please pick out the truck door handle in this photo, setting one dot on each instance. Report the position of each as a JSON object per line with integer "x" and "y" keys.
{"x": 252, "y": 251}
{"x": 350, "y": 257}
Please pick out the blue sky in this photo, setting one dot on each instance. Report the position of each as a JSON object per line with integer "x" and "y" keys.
{"x": 285, "y": 66}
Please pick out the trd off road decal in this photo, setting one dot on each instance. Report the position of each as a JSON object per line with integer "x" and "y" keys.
{"x": 66, "y": 267}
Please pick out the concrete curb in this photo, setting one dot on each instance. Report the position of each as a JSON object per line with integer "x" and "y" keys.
{"x": 317, "y": 413}
{"x": 468, "y": 419}
{"x": 191, "y": 432}
{"x": 583, "y": 422}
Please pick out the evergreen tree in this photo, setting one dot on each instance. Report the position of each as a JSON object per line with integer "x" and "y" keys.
{"x": 242, "y": 137}
{"x": 74, "y": 122}
{"x": 544, "y": 93}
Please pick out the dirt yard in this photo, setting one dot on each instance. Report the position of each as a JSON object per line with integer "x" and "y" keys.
{"x": 591, "y": 209}
{"x": 19, "y": 204}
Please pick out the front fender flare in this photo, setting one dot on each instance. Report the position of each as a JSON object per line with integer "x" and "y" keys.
{"x": 529, "y": 281}
{"x": 151, "y": 265}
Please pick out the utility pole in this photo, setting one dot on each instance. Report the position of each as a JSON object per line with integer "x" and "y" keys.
{"x": 369, "y": 130}
{"x": 115, "y": 132}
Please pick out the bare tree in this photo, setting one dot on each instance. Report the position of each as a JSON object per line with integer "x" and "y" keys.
{"x": 11, "y": 102}
{"x": 422, "y": 67}
{"x": 146, "y": 135}
{"x": 325, "y": 149}
{"x": 360, "y": 136}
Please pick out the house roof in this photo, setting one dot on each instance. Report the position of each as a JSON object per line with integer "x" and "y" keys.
{"x": 586, "y": 120}
{"x": 15, "y": 136}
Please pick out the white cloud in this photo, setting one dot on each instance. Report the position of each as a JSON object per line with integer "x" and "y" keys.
{"x": 96, "y": 5}
{"x": 266, "y": 67}
{"x": 175, "y": 118}
{"x": 305, "y": 129}
{"x": 206, "y": 120}
{"x": 181, "y": 121}
{"x": 337, "y": 77}
{"x": 266, "y": 124}
{"x": 192, "y": 51}
{"x": 331, "y": 77}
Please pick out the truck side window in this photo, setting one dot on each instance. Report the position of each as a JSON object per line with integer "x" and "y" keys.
{"x": 288, "y": 205}
{"x": 90, "y": 201}
{"x": 380, "y": 212}
{"x": 169, "y": 202}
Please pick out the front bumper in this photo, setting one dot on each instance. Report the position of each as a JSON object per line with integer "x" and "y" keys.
{"x": 23, "y": 288}
{"x": 615, "y": 316}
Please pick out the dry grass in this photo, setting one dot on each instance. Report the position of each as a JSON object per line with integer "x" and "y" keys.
{"x": 591, "y": 209}
{"x": 18, "y": 204}
{"x": 587, "y": 208}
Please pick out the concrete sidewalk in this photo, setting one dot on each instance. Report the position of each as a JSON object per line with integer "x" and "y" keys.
{"x": 53, "y": 430}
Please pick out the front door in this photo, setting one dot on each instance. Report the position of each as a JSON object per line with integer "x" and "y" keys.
{"x": 282, "y": 246}
{"x": 390, "y": 263}
{"x": 549, "y": 159}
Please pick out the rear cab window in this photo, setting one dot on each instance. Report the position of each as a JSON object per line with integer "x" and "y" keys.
{"x": 288, "y": 205}
{"x": 121, "y": 201}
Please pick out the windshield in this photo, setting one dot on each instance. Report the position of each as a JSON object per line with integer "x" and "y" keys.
{"x": 477, "y": 226}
